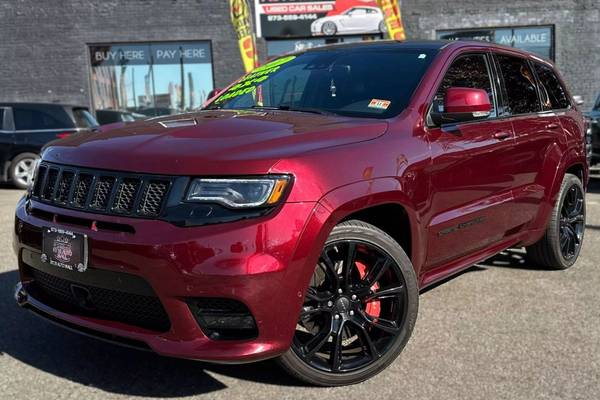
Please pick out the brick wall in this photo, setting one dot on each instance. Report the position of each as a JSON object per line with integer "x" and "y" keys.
{"x": 44, "y": 56}
{"x": 44, "y": 44}
{"x": 577, "y": 30}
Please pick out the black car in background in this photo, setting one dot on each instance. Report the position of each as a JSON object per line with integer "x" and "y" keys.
{"x": 111, "y": 116}
{"x": 26, "y": 127}
{"x": 594, "y": 122}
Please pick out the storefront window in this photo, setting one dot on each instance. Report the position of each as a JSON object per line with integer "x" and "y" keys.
{"x": 151, "y": 78}
{"x": 535, "y": 39}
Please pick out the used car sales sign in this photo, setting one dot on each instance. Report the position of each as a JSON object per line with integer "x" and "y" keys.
{"x": 298, "y": 18}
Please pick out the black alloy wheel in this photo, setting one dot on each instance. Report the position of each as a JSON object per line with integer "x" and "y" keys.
{"x": 358, "y": 311}
{"x": 572, "y": 219}
{"x": 561, "y": 244}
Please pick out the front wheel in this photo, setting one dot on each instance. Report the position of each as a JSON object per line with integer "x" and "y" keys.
{"x": 359, "y": 311}
{"x": 329, "y": 28}
{"x": 561, "y": 244}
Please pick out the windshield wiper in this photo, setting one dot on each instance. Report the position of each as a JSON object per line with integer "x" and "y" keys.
{"x": 294, "y": 109}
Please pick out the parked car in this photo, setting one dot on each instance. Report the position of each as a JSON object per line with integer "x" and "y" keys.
{"x": 26, "y": 127}
{"x": 111, "y": 116}
{"x": 353, "y": 20}
{"x": 300, "y": 214}
{"x": 594, "y": 126}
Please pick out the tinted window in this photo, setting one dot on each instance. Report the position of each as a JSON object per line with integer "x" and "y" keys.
{"x": 32, "y": 119}
{"x": 469, "y": 72}
{"x": 1, "y": 118}
{"x": 553, "y": 93}
{"x": 83, "y": 119}
{"x": 367, "y": 82}
{"x": 520, "y": 85}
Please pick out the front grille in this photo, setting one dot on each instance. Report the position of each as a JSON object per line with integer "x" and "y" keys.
{"x": 104, "y": 192}
{"x": 67, "y": 296}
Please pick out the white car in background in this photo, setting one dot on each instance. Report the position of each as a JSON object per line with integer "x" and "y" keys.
{"x": 353, "y": 20}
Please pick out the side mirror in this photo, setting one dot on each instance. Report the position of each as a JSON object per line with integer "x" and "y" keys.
{"x": 578, "y": 100}
{"x": 463, "y": 104}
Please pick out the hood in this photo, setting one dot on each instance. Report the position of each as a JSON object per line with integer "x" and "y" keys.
{"x": 212, "y": 142}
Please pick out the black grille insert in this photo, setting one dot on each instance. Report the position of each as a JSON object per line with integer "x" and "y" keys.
{"x": 102, "y": 192}
{"x": 82, "y": 299}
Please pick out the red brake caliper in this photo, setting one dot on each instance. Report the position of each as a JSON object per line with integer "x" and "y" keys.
{"x": 373, "y": 307}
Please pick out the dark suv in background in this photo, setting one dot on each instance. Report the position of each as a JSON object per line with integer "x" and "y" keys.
{"x": 26, "y": 127}
{"x": 594, "y": 122}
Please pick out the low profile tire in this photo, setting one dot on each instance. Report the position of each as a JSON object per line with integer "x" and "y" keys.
{"x": 359, "y": 311}
{"x": 21, "y": 169}
{"x": 561, "y": 244}
{"x": 329, "y": 28}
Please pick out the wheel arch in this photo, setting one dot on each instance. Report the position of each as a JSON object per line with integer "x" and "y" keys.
{"x": 382, "y": 203}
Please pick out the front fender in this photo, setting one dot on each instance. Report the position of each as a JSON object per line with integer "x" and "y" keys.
{"x": 346, "y": 200}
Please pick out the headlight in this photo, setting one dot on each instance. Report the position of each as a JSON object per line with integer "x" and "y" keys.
{"x": 239, "y": 193}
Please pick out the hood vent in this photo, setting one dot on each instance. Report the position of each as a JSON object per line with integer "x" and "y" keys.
{"x": 178, "y": 123}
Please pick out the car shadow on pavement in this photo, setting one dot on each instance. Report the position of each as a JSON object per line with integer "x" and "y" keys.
{"x": 109, "y": 367}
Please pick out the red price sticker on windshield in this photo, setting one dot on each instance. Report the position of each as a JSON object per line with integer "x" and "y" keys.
{"x": 380, "y": 104}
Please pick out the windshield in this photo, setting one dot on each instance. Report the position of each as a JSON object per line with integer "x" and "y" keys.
{"x": 358, "y": 82}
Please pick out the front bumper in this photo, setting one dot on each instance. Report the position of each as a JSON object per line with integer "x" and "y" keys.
{"x": 265, "y": 263}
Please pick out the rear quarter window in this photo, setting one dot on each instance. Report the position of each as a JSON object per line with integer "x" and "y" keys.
{"x": 35, "y": 119}
{"x": 554, "y": 96}
{"x": 84, "y": 119}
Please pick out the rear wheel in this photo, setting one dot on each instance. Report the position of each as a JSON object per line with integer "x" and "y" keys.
{"x": 561, "y": 244}
{"x": 21, "y": 169}
{"x": 359, "y": 311}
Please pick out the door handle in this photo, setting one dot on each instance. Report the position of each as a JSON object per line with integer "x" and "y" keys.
{"x": 502, "y": 135}
{"x": 552, "y": 125}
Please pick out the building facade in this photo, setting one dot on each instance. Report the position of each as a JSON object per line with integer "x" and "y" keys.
{"x": 158, "y": 56}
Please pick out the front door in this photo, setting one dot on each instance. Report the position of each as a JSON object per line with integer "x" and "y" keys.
{"x": 471, "y": 172}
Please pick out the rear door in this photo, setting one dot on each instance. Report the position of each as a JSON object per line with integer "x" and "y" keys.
{"x": 7, "y": 138}
{"x": 537, "y": 129}
{"x": 36, "y": 125}
{"x": 470, "y": 177}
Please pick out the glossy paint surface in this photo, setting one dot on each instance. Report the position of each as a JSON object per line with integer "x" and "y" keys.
{"x": 469, "y": 191}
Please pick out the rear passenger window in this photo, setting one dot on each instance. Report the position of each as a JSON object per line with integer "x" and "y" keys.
{"x": 520, "y": 85}
{"x": 554, "y": 95}
{"x": 469, "y": 71}
{"x": 32, "y": 119}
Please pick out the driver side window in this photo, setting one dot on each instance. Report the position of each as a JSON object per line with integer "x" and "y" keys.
{"x": 470, "y": 71}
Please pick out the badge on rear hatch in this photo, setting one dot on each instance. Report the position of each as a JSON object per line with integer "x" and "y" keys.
{"x": 65, "y": 249}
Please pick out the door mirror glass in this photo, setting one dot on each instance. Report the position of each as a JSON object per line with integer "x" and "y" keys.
{"x": 462, "y": 105}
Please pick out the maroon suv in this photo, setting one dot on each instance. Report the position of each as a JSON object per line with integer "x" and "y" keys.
{"x": 301, "y": 212}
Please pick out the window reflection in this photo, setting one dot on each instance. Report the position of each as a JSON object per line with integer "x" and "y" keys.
{"x": 151, "y": 79}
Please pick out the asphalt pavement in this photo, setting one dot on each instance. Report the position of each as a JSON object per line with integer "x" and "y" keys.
{"x": 500, "y": 330}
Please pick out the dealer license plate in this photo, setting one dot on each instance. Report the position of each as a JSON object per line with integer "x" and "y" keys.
{"x": 65, "y": 249}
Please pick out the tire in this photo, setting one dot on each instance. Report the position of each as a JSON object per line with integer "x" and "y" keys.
{"x": 382, "y": 27}
{"x": 329, "y": 28}
{"x": 20, "y": 170}
{"x": 549, "y": 252}
{"x": 365, "y": 238}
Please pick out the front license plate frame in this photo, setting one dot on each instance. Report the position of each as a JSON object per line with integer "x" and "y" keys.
{"x": 65, "y": 249}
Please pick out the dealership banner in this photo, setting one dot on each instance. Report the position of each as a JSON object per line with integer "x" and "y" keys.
{"x": 240, "y": 18}
{"x": 393, "y": 20}
{"x": 302, "y": 18}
